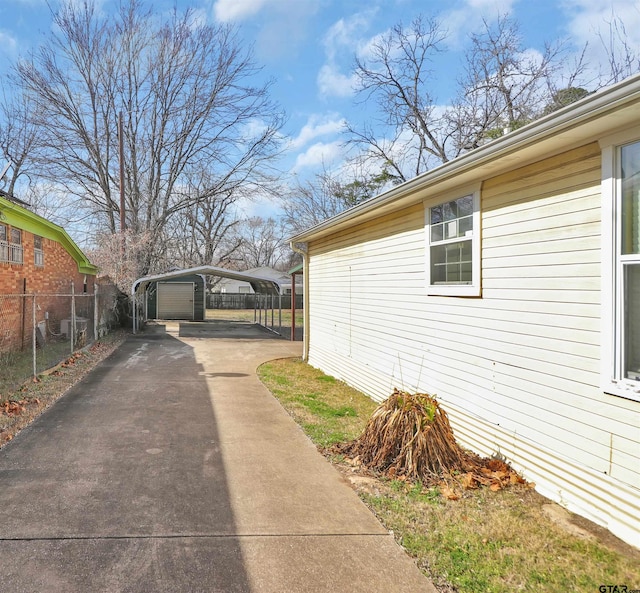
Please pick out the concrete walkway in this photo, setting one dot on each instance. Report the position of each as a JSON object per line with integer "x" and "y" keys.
{"x": 171, "y": 468}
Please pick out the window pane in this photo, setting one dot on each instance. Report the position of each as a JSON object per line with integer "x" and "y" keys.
{"x": 465, "y": 206}
{"x": 436, "y": 214}
{"x": 3, "y": 232}
{"x": 451, "y": 229}
{"x": 451, "y": 263}
{"x": 465, "y": 225}
{"x": 16, "y": 236}
{"x": 632, "y": 322}
{"x": 436, "y": 232}
{"x": 630, "y": 159}
{"x": 450, "y": 210}
{"x": 37, "y": 242}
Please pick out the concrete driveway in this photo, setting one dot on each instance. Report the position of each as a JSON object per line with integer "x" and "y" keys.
{"x": 171, "y": 468}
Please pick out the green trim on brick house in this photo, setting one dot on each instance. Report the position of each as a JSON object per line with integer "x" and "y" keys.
{"x": 15, "y": 215}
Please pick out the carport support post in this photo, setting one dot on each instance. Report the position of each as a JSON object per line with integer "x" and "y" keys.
{"x": 293, "y": 307}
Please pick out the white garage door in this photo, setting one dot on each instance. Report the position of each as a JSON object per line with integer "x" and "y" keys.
{"x": 175, "y": 300}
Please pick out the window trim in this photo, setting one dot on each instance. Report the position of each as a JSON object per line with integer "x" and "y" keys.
{"x": 612, "y": 380}
{"x": 462, "y": 290}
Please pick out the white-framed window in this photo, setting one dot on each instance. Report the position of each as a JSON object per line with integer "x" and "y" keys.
{"x": 452, "y": 224}
{"x": 621, "y": 266}
{"x": 11, "y": 246}
{"x": 38, "y": 251}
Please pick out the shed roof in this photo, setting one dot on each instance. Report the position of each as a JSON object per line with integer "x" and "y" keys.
{"x": 259, "y": 285}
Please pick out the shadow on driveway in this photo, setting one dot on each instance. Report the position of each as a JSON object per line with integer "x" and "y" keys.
{"x": 121, "y": 485}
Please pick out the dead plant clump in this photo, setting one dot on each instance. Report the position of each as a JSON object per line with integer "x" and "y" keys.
{"x": 408, "y": 437}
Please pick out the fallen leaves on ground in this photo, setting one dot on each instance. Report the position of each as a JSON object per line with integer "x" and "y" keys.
{"x": 17, "y": 407}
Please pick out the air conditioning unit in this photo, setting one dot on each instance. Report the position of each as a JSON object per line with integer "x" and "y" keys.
{"x": 81, "y": 326}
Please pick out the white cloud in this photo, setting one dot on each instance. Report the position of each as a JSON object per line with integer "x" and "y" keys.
{"x": 317, "y": 126}
{"x": 319, "y": 155}
{"x": 278, "y": 27}
{"x": 8, "y": 43}
{"x": 461, "y": 22}
{"x": 333, "y": 83}
{"x": 237, "y": 10}
{"x": 346, "y": 33}
{"x": 341, "y": 42}
{"x": 590, "y": 18}
{"x": 603, "y": 26}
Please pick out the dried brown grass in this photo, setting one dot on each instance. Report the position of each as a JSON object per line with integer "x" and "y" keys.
{"x": 409, "y": 436}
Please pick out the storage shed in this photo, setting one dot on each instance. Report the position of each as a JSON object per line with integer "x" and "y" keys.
{"x": 169, "y": 296}
{"x": 177, "y": 298}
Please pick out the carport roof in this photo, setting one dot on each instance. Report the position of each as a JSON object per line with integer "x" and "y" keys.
{"x": 259, "y": 285}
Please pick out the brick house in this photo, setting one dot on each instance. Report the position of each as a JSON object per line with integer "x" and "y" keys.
{"x": 36, "y": 257}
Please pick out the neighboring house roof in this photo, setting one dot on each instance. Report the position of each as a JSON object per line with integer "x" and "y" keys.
{"x": 15, "y": 215}
{"x": 268, "y": 272}
{"x": 262, "y": 272}
{"x": 587, "y": 120}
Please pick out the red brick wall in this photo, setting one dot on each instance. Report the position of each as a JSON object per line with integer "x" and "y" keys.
{"x": 56, "y": 276}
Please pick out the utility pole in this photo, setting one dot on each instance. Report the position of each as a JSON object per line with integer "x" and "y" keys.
{"x": 121, "y": 157}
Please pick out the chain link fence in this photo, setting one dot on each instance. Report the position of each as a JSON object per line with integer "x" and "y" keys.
{"x": 38, "y": 331}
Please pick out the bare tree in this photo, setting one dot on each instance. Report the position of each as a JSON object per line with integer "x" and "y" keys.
{"x": 203, "y": 234}
{"x": 188, "y": 104}
{"x": 623, "y": 60}
{"x": 328, "y": 193}
{"x": 263, "y": 242}
{"x": 397, "y": 76}
{"x": 18, "y": 139}
{"x": 503, "y": 87}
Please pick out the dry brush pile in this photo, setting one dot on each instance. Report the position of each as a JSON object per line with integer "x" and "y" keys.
{"x": 408, "y": 437}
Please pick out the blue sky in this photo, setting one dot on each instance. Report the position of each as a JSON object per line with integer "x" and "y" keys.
{"x": 308, "y": 47}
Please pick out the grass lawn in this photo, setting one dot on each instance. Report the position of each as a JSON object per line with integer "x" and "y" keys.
{"x": 17, "y": 365}
{"x": 485, "y": 542}
{"x": 248, "y": 315}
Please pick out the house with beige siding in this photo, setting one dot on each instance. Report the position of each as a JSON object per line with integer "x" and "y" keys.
{"x": 506, "y": 282}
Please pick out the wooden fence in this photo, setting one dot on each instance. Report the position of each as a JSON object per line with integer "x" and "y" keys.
{"x": 244, "y": 300}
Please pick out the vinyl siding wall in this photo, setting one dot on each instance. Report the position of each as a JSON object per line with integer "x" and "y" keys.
{"x": 518, "y": 369}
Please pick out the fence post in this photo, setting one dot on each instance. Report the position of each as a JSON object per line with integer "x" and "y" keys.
{"x": 33, "y": 334}
{"x": 72, "y": 329}
{"x": 95, "y": 311}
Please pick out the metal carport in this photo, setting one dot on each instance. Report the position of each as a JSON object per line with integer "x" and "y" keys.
{"x": 264, "y": 287}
